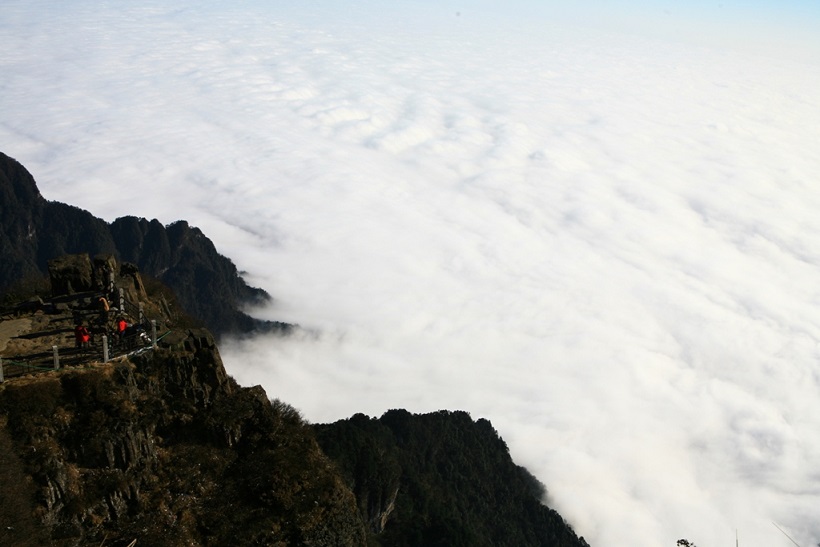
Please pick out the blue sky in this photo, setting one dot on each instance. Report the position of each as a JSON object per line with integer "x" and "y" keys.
{"x": 780, "y": 29}
{"x": 723, "y": 22}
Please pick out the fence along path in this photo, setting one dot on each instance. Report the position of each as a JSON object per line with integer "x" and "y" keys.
{"x": 56, "y": 348}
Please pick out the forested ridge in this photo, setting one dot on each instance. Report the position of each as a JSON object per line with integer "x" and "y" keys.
{"x": 441, "y": 479}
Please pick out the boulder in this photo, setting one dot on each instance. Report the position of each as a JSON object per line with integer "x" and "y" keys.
{"x": 71, "y": 274}
{"x": 131, "y": 280}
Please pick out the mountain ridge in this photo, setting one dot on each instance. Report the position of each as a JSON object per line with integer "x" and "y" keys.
{"x": 34, "y": 230}
{"x": 163, "y": 447}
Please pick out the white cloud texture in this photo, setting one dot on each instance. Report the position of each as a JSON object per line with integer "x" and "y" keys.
{"x": 606, "y": 245}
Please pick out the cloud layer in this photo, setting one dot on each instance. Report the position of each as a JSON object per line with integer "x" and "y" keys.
{"x": 606, "y": 245}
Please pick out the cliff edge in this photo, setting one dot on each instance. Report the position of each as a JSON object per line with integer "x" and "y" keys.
{"x": 166, "y": 449}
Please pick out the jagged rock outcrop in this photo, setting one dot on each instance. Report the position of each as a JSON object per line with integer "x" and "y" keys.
{"x": 187, "y": 261}
{"x": 167, "y": 449}
{"x": 76, "y": 274}
{"x": 34, "y": 231}
{"x": 71, "y": 274}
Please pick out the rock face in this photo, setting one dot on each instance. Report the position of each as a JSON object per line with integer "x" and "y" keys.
{"x": 165, "y": 449}
{"x": 70, "y": 274}
{"x": 207, "y": 284}
{"x": 75, "y": 274}
{"x": 34, "y": 231}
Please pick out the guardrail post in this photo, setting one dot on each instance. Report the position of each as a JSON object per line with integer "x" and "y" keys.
{"x": 154, "y": 333}
{"x": 110, "y": 282}
{"x": 105, "y": 348}
{"x": 56, "y": 357}
{"x": 2, "y": 379}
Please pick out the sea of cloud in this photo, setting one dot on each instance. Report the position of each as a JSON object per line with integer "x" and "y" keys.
{"x": 607, "y": 245}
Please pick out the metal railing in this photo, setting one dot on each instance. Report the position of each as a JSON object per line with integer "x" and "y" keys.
{"x": 108, "y": 345}
{"x": 59, "y": 358}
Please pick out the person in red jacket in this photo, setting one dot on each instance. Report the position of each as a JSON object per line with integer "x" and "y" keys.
{"x": 122, "y": 324}
{"x": 82, "y": 336}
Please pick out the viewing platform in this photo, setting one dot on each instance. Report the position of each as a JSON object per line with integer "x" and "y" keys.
{"x": 40, "y": 334}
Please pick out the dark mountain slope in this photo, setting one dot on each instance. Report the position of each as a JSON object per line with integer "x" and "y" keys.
{"x": 441, "y": 479}
{"x": 34, "y": 230}
{"x": 187, "y": 261}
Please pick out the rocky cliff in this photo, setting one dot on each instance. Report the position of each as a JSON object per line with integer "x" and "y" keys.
{"x": 163, "y": 448}
{"x": 34, "y": 230}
